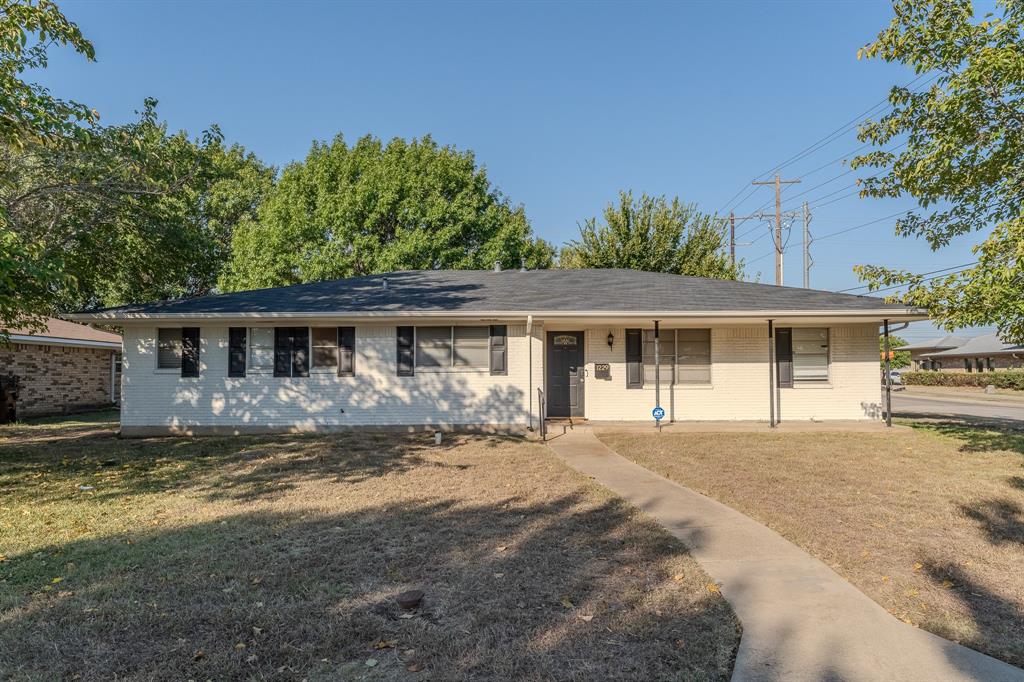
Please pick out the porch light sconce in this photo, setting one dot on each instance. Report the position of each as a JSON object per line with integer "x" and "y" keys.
{"x": 611, "y": 339}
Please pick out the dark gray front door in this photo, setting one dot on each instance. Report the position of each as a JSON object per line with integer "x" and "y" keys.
{"x": 565, "y": 374}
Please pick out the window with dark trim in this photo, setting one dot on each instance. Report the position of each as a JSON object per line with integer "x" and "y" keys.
{"x": 168, "y": 348}
{"x": 237, "y": 337}
{"x": 325, "y": 347}
{"x": 498, "y": 343}
{"x": 405, "y": 341}
{"x": 261, "y": 349}
{"x": 190, "y": 351}
{"x": 346, "y": 351}
{"x": 684, "y": 357}
{"x": 810, "y": 354}
{"x": 178, "y": 348}
{"x": 291, "y": 351}
{"x": 452, "y": 346}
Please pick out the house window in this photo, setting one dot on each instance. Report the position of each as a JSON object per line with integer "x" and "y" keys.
{"x": 810, "y": 354}
{"x": 967, "y": 365}
{"x": 990, "y": 365}
{"x": 261, "y": 349}
{"x": 433, "y": 346}
{"x": 325, "y": 348}
{"x": 666, "y": 356}
{"x": 452, "y": 347}
{"x": 168, "y": 349}
{"x": 684, "y": 356}
{"x": 291, "y": 351}
{"x": 693, "y": 356}
{"x": 470, "y": 346}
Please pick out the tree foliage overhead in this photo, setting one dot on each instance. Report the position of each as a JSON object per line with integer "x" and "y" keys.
{"x": 29, "y": 114}
{"x": 653, "y": 235}
{"x": 133, "y": 213}
{"x": 28, "y": 111}
{"x": 370, "y": 207}
{"x": 963, "y": 156}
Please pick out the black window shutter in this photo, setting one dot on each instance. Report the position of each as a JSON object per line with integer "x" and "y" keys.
{"x": 405, "y": 337}
{"x": 499, "y": 349}
{"x": 282, "y": 351}
{"x": 346, "y": 351}
{"x": 236, "y": 352}
{"x": 634, "y": 359}
{"x": 300, "y": 351}
{"x": 190, "y": 351}
{"x": 784, "y": 356}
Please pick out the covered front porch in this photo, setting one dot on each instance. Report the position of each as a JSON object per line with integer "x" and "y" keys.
{"x": 707, "y": 370}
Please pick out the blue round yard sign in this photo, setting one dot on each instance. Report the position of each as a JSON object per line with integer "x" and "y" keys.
{"x": 659, "y": 413}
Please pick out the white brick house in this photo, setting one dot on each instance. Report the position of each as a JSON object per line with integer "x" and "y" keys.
{"x": 451, "y": 349}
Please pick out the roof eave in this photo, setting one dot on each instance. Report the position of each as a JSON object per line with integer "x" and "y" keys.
{"x": 892, "y": 314}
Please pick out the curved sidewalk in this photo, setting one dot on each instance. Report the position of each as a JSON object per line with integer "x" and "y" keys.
{"x": 801, "y": 620}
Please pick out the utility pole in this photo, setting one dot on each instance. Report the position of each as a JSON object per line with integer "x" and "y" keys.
{"x": 778, "y": 182}
{"x": 808, "y": 261}
{"x": 732, "y": 238}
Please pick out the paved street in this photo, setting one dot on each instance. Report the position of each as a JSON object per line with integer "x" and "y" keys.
{"x": 905, "y": 405}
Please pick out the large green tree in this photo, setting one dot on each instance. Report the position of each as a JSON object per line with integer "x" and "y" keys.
{"x": 370, "y": 207}
{"x": 133, "y": 213}
{"x": 655, "y": 235}
{"x": 30, "y": 114}
{"x": 963, "y": 159}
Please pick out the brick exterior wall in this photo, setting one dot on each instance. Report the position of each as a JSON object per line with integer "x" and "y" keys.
{"x": 956, "y": 365}
{"x": 157, "y": 400}
{"x": 57, "y": 379}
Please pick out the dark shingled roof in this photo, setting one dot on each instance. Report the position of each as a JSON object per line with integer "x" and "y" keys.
{"x": 535, "y": 291}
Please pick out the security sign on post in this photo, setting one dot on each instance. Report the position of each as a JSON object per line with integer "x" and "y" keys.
{"x": 658, "y": 413}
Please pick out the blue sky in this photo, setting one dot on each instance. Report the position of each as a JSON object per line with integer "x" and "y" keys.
{"x": 564, "y": 103}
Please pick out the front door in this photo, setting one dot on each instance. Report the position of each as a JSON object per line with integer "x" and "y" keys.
{"x": 565, "y": 374}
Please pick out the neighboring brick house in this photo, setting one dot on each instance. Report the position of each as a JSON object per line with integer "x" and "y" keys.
{"x": 63, "y": 368}
{"x": 920, "y": 353}
{"x": 986, "y": 353}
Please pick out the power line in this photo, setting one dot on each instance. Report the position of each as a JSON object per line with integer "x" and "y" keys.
{"x": 958, "y": 268}
{"x": 926, "y": 279}
{"x": 832, "y": 201}
{"x": 870, "y": 222}
{"x": 822, "y": 142}
{"x": 831, "y": 137}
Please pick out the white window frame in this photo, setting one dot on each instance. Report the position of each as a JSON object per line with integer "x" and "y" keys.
{"x": 313, "y": 369}
{"x": 814, "y": 383}
{"x": 675, "y": 359}
{"x": 451, "y": 366}
{"x": 157, "y": 369}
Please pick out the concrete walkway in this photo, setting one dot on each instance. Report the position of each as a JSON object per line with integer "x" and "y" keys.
{"x": 801, "y": 620}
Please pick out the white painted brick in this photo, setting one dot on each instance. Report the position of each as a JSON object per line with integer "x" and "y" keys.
{"x": 376, "y": 396}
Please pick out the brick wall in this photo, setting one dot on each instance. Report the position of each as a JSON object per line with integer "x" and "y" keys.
{"x": 57, "y": 379}
{"x": 376, "y": 396}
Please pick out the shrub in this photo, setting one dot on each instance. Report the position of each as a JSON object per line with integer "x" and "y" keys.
{"x": 1012, "y": 379}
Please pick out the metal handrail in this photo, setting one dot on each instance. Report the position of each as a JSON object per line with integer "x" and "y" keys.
{"x": 541, "y": 411}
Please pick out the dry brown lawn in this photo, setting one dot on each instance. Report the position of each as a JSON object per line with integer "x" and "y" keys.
{"x": 278, "y": 558}
{"x": 928, "y": 522}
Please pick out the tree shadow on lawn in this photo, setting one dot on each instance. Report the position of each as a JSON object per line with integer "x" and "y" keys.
{"x": 286, "y": 596}
{"x": 235, "y": 467}
{"x": 981, "y": 435}
{"x": 996, "y": 621}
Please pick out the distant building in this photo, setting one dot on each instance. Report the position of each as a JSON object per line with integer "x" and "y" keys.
{"x": 63, "y": 368}
{"x": 920, "y": 352}
{"x": 986, "y": 353}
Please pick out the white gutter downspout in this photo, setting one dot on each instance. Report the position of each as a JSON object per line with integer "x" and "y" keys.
{"x": 529, "y": 346}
